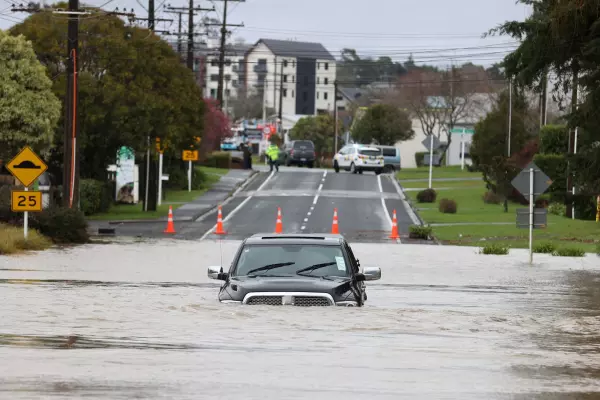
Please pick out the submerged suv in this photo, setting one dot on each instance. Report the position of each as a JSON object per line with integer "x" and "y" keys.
{"x": 294, "y": 269}
{"x": 300, "y": 152}
{"x": 357, "y": 158}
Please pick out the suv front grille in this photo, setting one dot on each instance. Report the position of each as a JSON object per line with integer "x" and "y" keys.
{"x": 299, "y": 300}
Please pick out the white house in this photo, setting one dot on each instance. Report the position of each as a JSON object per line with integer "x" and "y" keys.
{"x": 298, "y": 75}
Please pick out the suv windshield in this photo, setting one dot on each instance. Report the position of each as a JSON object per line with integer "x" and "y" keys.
{"x": 303, "y": 144}
{"x": 369, "y": 152}
{"x": 291, "y": 260}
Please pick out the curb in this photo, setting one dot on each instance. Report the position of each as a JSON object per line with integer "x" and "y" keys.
{"x": 182, "y": 219}
{"x": 409, "y": 202}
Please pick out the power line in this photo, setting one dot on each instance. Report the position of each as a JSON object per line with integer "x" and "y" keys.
{"x": 191, "y": 10}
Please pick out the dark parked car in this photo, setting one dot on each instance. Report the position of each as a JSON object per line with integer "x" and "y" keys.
{"x": 299, "y": 152}
{"x": 294, "y": 269}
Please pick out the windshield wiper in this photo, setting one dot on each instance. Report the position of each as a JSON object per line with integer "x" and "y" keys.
{"x": 314, "y": 267}
{"x": 269, "y": 267}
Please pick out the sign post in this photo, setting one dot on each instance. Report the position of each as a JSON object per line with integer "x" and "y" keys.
{"x": 189, "y": 156}
{"x": 531, "y": 182}
{"x": 431, "y": 144}
{"x": 27, "y": 167}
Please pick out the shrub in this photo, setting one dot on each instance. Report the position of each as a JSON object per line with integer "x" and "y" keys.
{"x": 447, "y": 206}
{"x": 62, "y": 225}
{"x": 490, "y": 197}
{"x": 542, "y": 201}
{"x": 557, "y": 209}
{"x": 569, "y": 252}
{"x": 544, "y": 248}
{"x": 6, "y": 214}
{"x": 419, "y": 232}
{"x": 494, "y": 249}
{"x": 218, "y": 159}
{"x": 554, "y": 139}
{"x": 554, "y": 165}
{"x": 420, "y": 157}
{"x": 426, "y": 196}
{"x": 12, "y": 240}
{"x": 96, "y": 196}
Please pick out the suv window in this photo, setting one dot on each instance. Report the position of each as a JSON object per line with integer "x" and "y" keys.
{"x": 304, "y": 144}
{"x": 387, "y": 152}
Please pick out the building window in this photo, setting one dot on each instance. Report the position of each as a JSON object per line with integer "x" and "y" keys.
{"x": 318, "y": 80}
{"x": 325, "y": 96}
{"x": 284, "y": 92}
{"x": 317, "y": 95}
{"x": 228, "y": 62}
{"x": 318, "y": 65}
{"x": 326, "y": 66}
{"x": 214, "y": 78}
{"x": 227, "y": 92}
{"x": 285, "y": 63}
{"x": 214, "y": 62}
{"x": 292, "y": 94}
{"x": 234, "y": 82}
{"x": 294, "y": 64}
{"x": 227, "y": 77}
{"x": 213, "y": 93}
{"x": 285, "y": 78}
{"x": 326, "y": 81}
{"x": 305, "y": 96}
{"x": 293, "y": 78}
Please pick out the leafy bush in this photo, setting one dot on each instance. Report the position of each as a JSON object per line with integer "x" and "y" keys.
{"x": 218, "y": 159}
{"x": 426, "y": 196}
{"x": 419, "y": 232}
{"x": 12, "y": 240}
{"x": 447, "y": 206}
{"x": 554, "y": 165}
{"x": 96, "y": 196}
{"x": 494, "y": 249}
{"x": 490, "y": 197}
{"x": 569, "y": 252}
{"x": 6, "y": 215}
{"x": 62, "y": 225}
{"x": 554, "y": 139}
{"x": 420, "y": 158}
{"x": 557, "y": 209}
{"x": 542, "y": 201}
{"x": 544, "y": 248}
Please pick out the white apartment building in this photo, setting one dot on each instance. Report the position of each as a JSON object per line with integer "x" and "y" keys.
{"x": 298, "y": 75}
{"x": 233, "y": 70}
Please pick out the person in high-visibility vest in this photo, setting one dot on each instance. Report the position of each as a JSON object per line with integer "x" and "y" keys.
{"x": 273, "y": 153}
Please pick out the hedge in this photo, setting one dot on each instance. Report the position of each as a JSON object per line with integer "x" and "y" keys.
{"x": 555, "y": 166}
{"x": 420, "y": 158}
{"x": 218, "y": 159}
{"x": 62, "y": 225}
{"x": 95, "y": 196}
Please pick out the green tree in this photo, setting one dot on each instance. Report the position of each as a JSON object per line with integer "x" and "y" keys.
{"x": 383, "y": 124}
{"x": 29, "y": 111}
{"x": 490, "y": 143}
{"x": 132, "y": 86}
{"x": 554, "y": 139}
{"x": 319, "y": 129}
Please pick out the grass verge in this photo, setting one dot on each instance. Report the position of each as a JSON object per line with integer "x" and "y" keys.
{"x": 173, "y": 198}
{"x": 438, "y": 173}
{"x": 477, "y": 223}
{"x": 12, "y": 240}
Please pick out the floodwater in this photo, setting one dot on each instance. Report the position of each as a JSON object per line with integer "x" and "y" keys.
{"x": 141, "y": 320}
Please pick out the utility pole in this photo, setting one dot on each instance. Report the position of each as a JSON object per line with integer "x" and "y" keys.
{"x": 574, "y": 100}
{"x": 70, "y": 159}
{"x": 224, "y": 33}
{"x": 151, "y": 15}
{"x": 191, "y": 11}
{"x": 335, "y": 116}
{"x": 280, "y": 114}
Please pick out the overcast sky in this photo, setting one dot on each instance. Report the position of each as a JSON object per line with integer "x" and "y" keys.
{"x": 435, "y": 31}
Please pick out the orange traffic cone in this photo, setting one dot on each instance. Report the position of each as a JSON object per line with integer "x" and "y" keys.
{"x": 170, "y": 225}
{"x": 334, "y": 225}
{"x": 278, "y": 224}
{"x": 394, "y": 234}
{"x": 220, "y": 230}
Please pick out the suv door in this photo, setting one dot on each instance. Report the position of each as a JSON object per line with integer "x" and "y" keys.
{"x": 355, "y": 265}
{"x": 340, "y": 157}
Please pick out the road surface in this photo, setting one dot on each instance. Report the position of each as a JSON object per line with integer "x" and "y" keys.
{"x": 307, "y": 198}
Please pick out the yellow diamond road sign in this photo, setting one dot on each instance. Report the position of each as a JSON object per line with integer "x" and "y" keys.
{"x": 27, "y": 166}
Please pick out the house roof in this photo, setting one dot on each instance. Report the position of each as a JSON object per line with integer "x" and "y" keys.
{"x": 289, "y": 48}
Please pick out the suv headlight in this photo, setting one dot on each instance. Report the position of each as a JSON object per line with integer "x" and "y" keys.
{"x": 347, "y": 303}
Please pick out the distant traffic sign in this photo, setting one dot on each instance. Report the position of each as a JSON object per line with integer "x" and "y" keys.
{"x": 190, "y": 155}
{"x": 540, "y": 218}
{"x": 541, "y": 181}
{"x": 427, "y": 143}
{"x": 27, "y": 166}
{"x": 25, "y": 201}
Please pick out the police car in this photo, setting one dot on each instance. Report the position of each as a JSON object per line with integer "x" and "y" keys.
{"x": 357, "y": 158}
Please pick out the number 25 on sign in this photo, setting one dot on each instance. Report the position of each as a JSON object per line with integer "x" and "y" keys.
{"x": 23, "y": 201}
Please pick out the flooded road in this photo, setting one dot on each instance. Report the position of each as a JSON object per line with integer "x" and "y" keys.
{"x": 142, "y": 321}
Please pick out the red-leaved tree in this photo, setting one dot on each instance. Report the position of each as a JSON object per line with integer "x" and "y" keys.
{"x": 216, "y": 127}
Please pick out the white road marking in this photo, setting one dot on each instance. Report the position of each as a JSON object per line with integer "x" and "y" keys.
{"x": 302, "y": 227}
{"x": 239, "y": 207}
{"x": 385, "y": 210}
{"x": 305, "y": 219}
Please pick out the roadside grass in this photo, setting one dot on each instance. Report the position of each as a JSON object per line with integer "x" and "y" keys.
{"x": 174, "y": 198}
{"x": 13, "y": 242}
{"x": 561, "y": 232}
{"x": 438, "y": 172}
{"x": 443, "y": 184}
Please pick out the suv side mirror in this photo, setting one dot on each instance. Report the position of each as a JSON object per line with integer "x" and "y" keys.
{"x": 369, "y": 274}
{"x": 217, "y": 273}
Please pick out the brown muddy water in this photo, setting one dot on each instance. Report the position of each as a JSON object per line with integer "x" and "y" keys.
{"x": 141, "y": 320}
